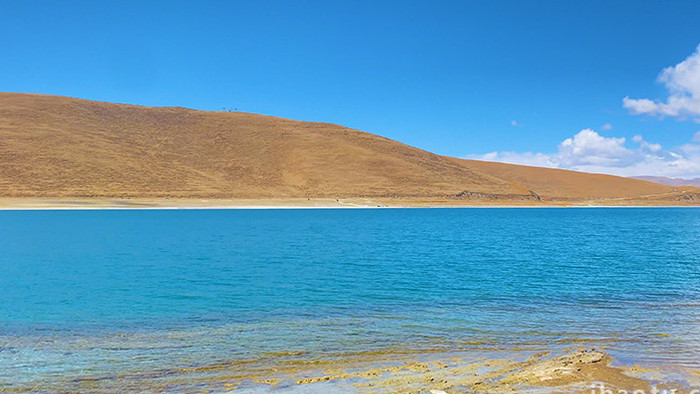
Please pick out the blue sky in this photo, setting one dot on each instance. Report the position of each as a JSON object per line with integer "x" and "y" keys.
{"x": 499, "y": 80}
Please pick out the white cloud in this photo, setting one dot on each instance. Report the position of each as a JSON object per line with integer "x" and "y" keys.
{"x": 696, "y": 137}
{"x": 514, "y": 123}
{"x": 683, "y": 84}
{"x": 607, "y": 126}
{"x": 589, "y": 151}
{"x": 689, "y": 149}
{"x": 590, "y": 148}
{"x": 645, "y": 145}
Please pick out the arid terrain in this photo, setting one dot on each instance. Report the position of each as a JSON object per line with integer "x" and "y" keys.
{"x": 670, "y": 181}
{"x": 59, "y": 151}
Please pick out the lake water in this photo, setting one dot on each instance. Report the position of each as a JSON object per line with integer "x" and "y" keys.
{"x": 99, "y": 294}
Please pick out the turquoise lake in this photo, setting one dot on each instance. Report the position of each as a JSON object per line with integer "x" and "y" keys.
{"x": 106, "y": 292}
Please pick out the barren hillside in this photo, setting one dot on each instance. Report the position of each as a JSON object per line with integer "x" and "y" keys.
{"x": 553, "y": 183}
{"x": 63, "y": 147}
{"x": 670, "y": 181}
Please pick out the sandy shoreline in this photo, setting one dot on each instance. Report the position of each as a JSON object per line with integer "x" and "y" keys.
{"x": 581, "y": 370}
{"x": 302, "y": 203}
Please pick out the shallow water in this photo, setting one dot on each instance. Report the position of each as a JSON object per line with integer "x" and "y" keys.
{"x": 111, "y": 292}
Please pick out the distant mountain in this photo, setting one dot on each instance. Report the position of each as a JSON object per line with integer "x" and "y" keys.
{"x": 670, "y": 181}
{"x": 54, "y": 146}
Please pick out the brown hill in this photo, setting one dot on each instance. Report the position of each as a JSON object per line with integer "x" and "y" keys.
{"x": 670, "y": 181}
{"x": 556, "y": 184}
{"x": 63, "y": 147}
